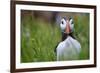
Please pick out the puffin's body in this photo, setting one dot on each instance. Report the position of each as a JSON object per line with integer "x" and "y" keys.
{"x": 69, "y": 48}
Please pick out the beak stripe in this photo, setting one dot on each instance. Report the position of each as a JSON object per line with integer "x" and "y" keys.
{"x": 67, "y": 27}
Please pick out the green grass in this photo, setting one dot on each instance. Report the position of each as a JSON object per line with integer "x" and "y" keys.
{"x": 38, "y": 39}
{"x": 82, "y": 35}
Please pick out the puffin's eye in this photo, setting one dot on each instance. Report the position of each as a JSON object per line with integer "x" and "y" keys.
{"x": 62, "y": 22}
{"x": 72, "y": 22}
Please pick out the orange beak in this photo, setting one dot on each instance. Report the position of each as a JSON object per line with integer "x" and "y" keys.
{"x": 67, "y": 27}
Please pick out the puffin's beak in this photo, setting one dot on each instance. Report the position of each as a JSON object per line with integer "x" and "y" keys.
{"x": 67, "y": 27}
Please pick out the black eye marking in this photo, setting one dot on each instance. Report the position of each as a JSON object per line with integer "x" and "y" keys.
{"x": 72, "y": 22}
{"x": 62, "y": 22}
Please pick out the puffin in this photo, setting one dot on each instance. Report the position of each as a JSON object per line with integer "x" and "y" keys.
{"x": 69, "y": 48}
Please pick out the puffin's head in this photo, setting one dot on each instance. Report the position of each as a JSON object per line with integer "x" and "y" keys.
{"x": 67, "y": 25}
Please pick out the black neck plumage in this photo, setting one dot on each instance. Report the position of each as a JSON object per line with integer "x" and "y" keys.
{"x": 65, "y": 35}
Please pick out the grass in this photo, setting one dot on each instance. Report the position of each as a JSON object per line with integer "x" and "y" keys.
{"x": 38, "y": 39}
{"x": 82, "y": 35}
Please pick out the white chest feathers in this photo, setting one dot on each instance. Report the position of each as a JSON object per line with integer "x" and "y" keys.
{"x": 69, "y": 49}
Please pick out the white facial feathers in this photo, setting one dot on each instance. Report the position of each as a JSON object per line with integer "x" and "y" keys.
{"x": 63, "y": 24}
{"x": 71, "y": 22}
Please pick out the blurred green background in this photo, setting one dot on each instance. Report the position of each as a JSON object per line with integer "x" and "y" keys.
{"x": 40, "y": 34}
